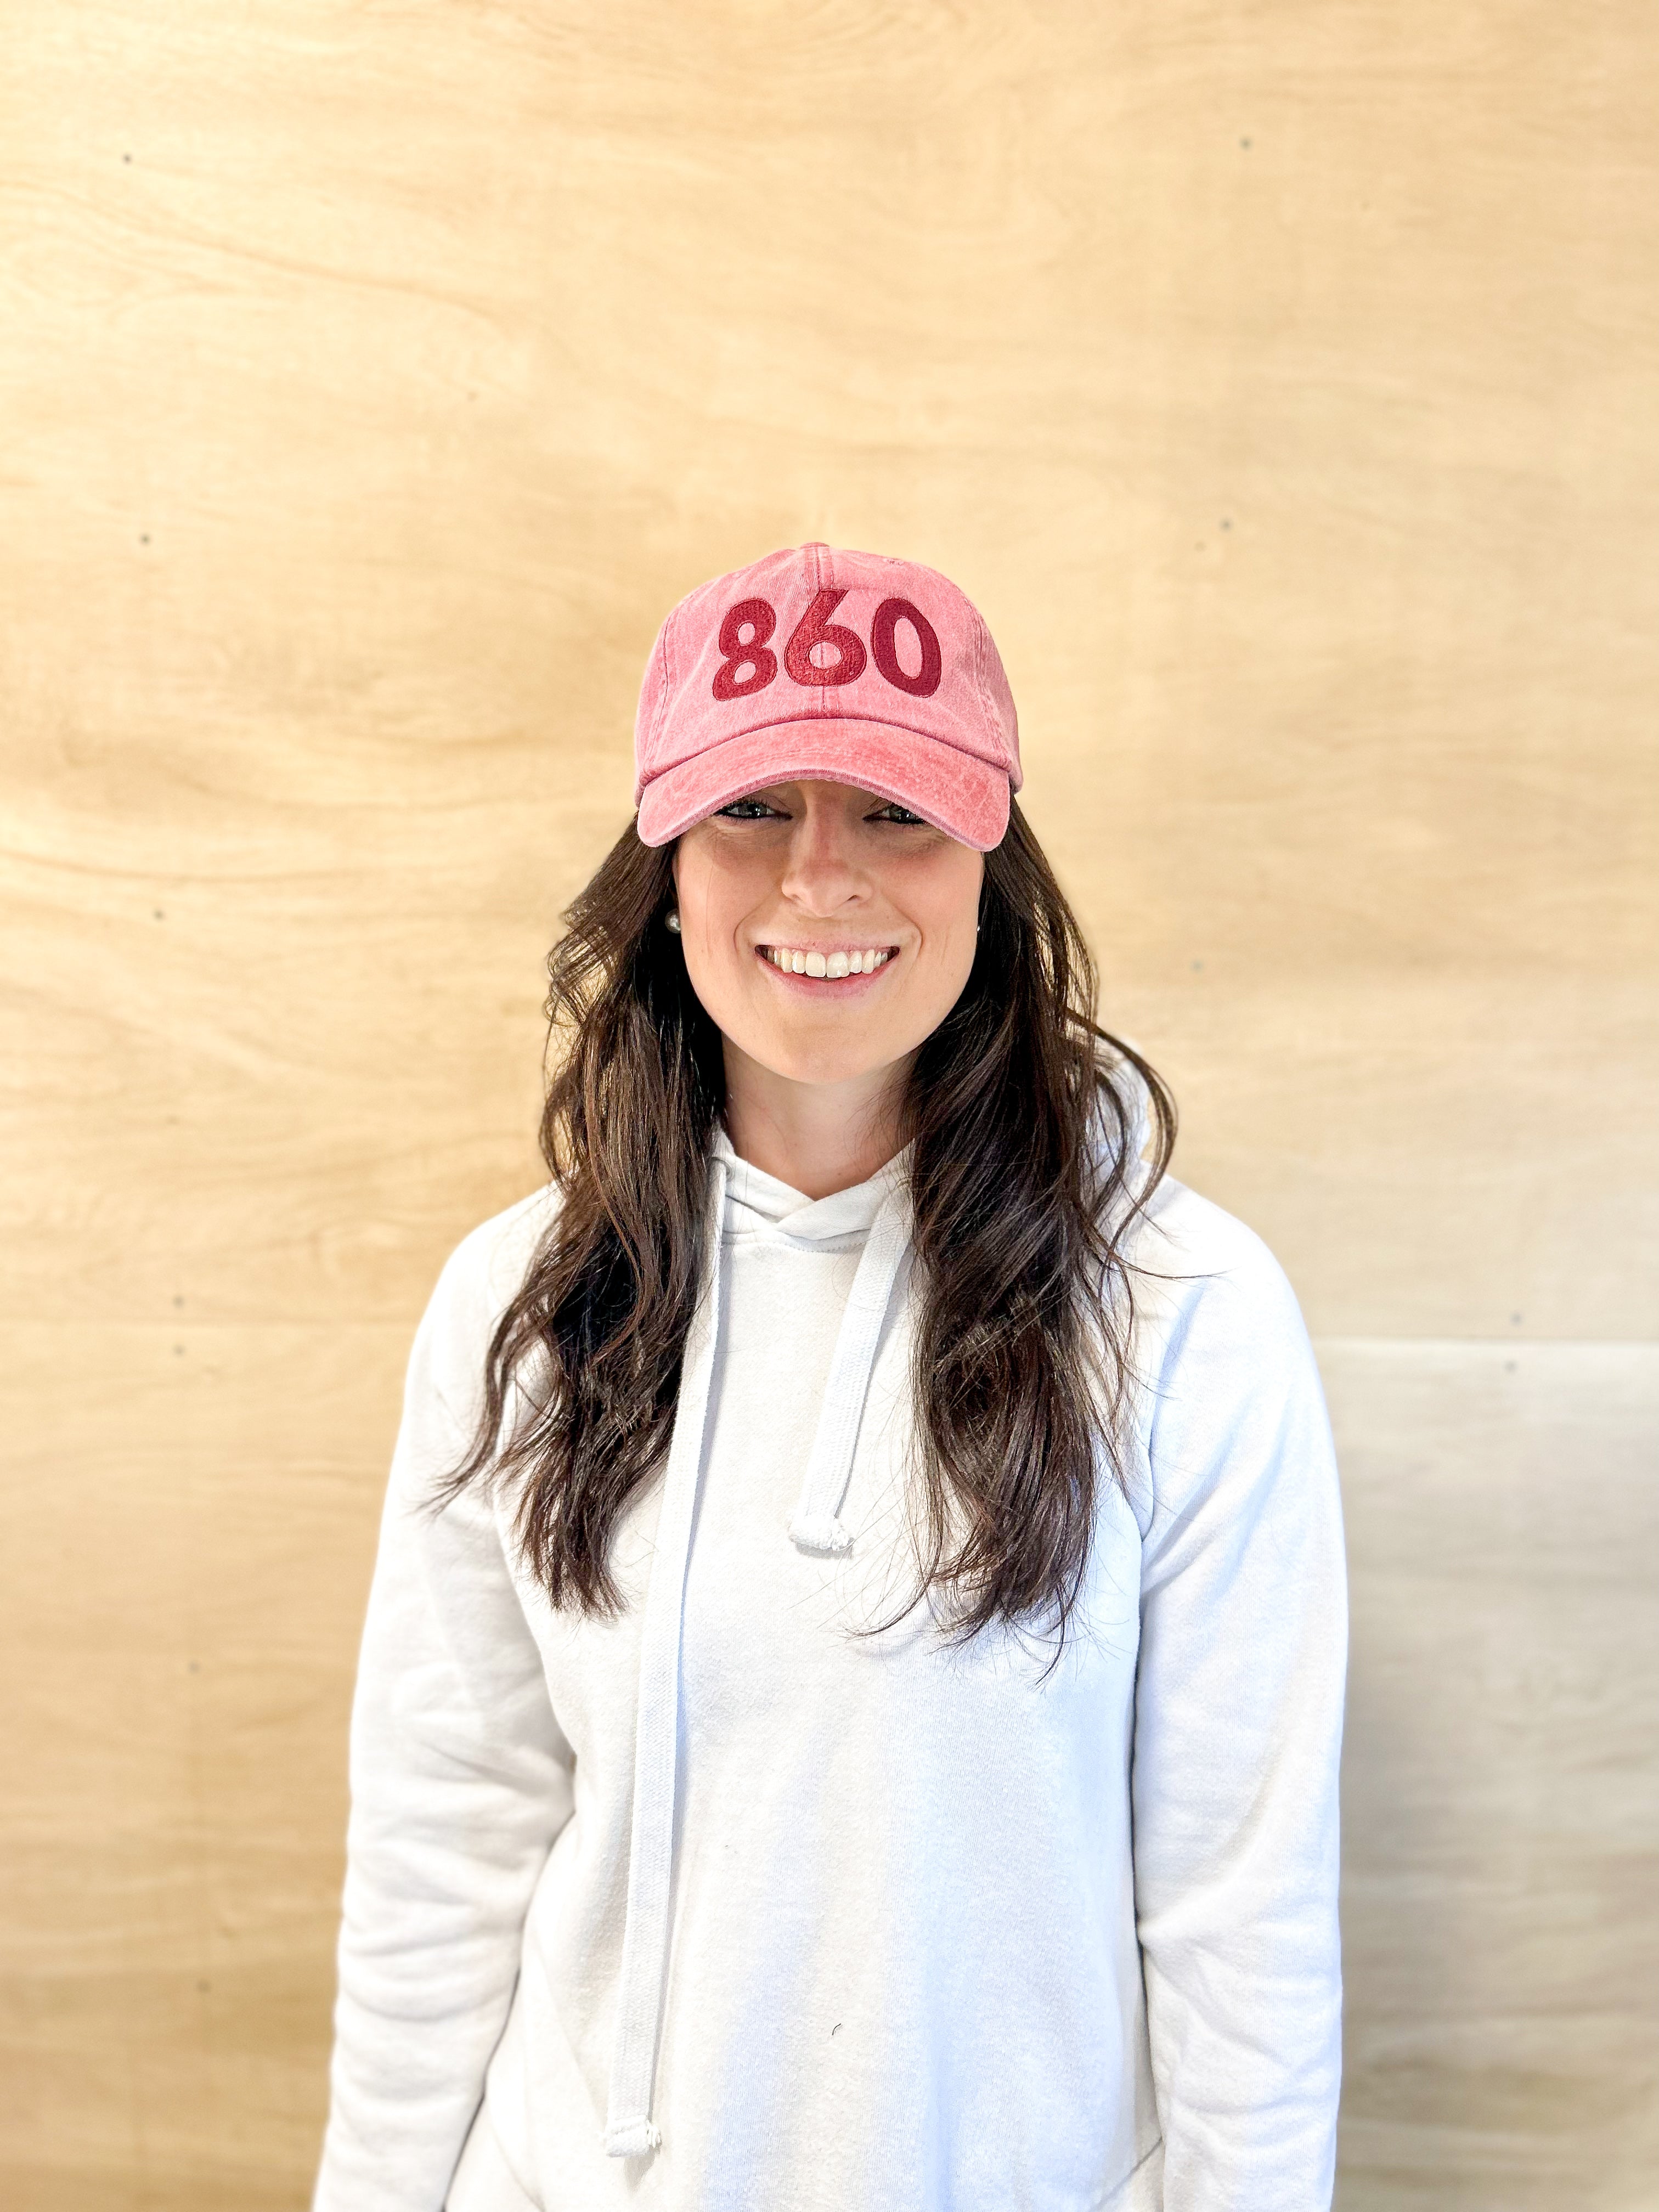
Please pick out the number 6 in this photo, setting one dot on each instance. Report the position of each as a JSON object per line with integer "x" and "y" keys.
{"x": 815, "y": 628}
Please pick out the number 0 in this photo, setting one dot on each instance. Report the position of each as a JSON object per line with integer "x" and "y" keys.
{"x": 888, "y": 617}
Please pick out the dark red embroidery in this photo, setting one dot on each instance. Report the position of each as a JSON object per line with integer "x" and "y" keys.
{"x": 758, "y": 617}
{"x": 815, "y": 628}
{"x": 888, "y": 617}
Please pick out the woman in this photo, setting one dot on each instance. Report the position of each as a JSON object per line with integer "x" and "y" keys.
{"x": 849, "y": 1708}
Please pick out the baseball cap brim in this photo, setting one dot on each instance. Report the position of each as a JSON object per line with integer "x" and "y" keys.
{"x": 957, "y": 791}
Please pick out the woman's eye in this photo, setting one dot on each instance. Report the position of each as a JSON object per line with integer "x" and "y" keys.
{"x": 750, "y": 809}
{"x": 894, "y": 813}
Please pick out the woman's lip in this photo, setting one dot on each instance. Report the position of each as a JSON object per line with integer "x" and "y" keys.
{"x": 850, "y": 986}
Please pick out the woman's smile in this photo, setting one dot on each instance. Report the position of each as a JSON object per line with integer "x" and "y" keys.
{"x": 816, "y": 963}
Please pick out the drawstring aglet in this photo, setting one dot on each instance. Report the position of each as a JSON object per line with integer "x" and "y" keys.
{"x": 632, "y": 2140}
{"x": 821, "y": 1532}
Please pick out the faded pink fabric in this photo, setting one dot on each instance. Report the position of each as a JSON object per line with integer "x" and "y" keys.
{"x": 846, "y": 667}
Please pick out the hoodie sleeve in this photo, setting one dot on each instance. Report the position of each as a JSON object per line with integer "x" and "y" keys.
{"x": 1238, "y": 1722}
{"x": 460, "y": 1781}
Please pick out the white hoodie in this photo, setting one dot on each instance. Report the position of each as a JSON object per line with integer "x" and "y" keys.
{"x": 724, "y": 1910}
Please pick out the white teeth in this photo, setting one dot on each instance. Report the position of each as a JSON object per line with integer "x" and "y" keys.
{"x": 832, "y": 966}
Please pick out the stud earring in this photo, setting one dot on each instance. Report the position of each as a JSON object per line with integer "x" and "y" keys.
{"x": 672, "y": 921}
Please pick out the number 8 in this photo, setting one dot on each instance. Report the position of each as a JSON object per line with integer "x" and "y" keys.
{"x": 757, "y": 617}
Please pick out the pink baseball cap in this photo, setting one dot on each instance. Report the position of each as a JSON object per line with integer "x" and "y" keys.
{"x": 815, "y": 662}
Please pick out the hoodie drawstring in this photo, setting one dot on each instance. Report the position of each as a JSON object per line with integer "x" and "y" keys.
{"x": 629, "y": 2131}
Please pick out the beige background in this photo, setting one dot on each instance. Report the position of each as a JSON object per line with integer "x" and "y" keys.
{"x": 1283, "y": 380}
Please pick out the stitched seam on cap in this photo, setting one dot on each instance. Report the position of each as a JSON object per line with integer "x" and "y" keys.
{"x": 667, "y": 684}
{"x": 806, "y": 720}
{"x": 819, "y": 706}
{"x": 982, "y": 638}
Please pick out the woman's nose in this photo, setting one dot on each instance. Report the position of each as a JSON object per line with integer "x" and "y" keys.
{"x": 821, "y": 873}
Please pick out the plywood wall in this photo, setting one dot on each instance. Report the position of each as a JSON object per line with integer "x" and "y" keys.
{"x": 1283, "y": 380}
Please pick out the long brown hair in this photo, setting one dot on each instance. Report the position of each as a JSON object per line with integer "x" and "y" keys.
{"x": 1023, "y": 1185}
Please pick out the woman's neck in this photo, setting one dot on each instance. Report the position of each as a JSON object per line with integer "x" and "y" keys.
{"x": 818, "y": 1138}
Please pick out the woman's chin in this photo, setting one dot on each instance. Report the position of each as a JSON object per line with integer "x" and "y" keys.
{"x": 826, "y": 1060}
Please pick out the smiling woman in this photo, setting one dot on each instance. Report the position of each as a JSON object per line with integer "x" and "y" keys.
{"x": 849, "y": 1707}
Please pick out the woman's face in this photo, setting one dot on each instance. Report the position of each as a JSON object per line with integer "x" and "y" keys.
{"x": 877, "y": 905}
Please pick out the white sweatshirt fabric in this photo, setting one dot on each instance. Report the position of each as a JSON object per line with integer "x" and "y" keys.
{"x": 715, "y": 1906}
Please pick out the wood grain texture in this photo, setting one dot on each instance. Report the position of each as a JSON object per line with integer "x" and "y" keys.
{"x": 1501, "y": 1806}
{"x": 1281, "y": 380}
